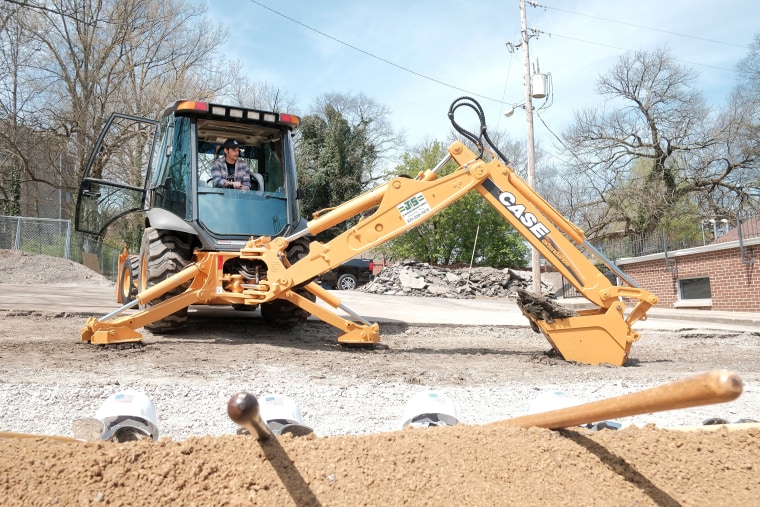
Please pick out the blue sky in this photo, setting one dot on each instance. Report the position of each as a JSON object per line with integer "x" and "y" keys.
{"x": 461, "y": 45}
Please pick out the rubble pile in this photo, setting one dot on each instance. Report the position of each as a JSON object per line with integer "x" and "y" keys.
{"x": 411, "y": 278}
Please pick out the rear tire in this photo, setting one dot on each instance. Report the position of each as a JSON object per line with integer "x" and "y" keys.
{"x": 283, "y": 313}
{"x": 164, "y": 254}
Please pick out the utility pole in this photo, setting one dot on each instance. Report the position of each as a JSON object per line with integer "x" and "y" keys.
{"x": 535, "y": 257}
{"x": 60, "y": 186}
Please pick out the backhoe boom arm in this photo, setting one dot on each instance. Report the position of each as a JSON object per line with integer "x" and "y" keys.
{"x": 601, "y": 335}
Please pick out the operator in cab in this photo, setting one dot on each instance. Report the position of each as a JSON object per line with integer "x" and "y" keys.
{"x": 229, "y": 171}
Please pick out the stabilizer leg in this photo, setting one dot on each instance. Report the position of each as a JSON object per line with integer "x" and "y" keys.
{"x": 122, "y": 329}
{"x": 353, "y": 333}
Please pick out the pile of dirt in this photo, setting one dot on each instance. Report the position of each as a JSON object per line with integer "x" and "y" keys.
{"x": 18, "y": 267}
{"x": 460, "y": 465}
{"x": 411, "y": 278}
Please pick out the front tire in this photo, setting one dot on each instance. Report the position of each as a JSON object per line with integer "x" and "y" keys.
{"x": 283, "y": 313}
{"x": 164, "y": 254}
{"x": 128, "y": 279}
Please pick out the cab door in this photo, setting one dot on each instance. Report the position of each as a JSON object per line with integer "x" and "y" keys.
{"x": 114, "y": 181}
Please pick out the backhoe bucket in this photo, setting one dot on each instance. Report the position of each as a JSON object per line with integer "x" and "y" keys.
{"x": 594, "y": 337}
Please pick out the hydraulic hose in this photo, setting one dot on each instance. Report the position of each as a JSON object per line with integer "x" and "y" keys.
{"x": 483, "y": 136}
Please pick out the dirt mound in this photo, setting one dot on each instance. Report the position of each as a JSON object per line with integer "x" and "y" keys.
{"x": 461, "y": 465}
{"x": 23, "y": 268}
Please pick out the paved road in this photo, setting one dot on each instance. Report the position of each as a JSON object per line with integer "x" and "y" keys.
{"x": 99, "y": 301}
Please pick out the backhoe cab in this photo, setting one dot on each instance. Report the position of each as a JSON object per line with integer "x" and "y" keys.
{"x": 276, "y": 268}
{"x": 163, "y": 168}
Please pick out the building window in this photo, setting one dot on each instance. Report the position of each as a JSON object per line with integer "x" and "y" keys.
{"x": 694, "y": 288}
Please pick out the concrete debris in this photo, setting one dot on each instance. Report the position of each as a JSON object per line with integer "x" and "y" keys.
{"x": 411, "y": 278}
{"x": 541, "y": 307}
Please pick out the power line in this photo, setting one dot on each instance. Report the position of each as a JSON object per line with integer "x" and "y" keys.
{"x": 627, "y": 50}
{"x": 405, "y": 69}
{"x": 559, "y": 139}
{"x": 534, "y": 4}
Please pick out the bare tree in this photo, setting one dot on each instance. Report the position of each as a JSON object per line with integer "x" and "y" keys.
{"x": 748, "y": 94}
{"x": 18, "y": 90}
{"x": 257, "y": 95}
{"x": 93, "y": 57}
{"x": 655, "y": 146}
{"x": 749, "y": 70}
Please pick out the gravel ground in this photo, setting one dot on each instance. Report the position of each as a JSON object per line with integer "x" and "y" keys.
{"x": 491, "y": 373}
{"x": 48, "y": 378}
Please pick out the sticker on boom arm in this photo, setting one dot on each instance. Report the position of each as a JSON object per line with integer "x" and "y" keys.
{"x": 414, "y": 208}
{"x": 527, "y": 219}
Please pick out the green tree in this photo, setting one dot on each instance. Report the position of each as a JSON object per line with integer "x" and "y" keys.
{"x": 339, "y": 147}
{"x": 468, "y": 230}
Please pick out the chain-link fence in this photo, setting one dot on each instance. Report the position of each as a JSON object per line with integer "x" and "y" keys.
{"x": 37, "y": 235}
{"x": 56, "y": 238}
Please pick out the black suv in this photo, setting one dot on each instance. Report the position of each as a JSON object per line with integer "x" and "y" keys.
{"x": 349, "y": 275}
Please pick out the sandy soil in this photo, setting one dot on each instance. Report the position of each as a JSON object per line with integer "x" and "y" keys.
{"x": 474, "y": 463}
{"x": 441, "y": 466}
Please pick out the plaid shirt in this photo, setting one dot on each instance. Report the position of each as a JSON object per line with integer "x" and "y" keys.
{"x": 219, "y": 173}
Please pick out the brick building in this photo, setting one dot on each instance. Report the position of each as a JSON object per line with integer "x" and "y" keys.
{"x": 723, "y": 275}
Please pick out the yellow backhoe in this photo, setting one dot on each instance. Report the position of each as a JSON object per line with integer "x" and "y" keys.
{"x": 180, "y": 265}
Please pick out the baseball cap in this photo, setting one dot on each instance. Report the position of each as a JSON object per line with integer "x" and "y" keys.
{"x": 231, "y": 143}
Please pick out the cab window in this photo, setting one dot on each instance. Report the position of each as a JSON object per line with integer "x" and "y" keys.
{"x": 171, "y": 181}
